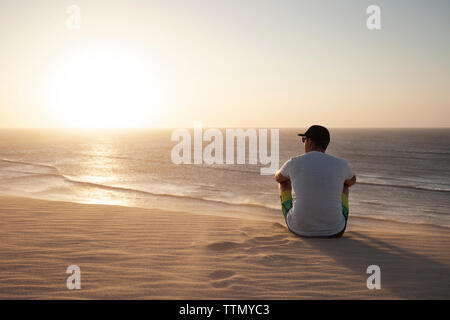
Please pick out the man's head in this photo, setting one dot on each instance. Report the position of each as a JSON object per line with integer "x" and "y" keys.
{"x": 316, "y": 138}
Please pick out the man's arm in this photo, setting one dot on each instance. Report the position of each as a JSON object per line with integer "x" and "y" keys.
{"x": 280, "y": 178}
{"x": 350, "y": 182}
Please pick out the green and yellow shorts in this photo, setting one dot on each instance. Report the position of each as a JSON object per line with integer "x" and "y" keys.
{"x": 286, "y": 204}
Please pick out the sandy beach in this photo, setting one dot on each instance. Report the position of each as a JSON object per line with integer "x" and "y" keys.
{"x": 133, "y": 253}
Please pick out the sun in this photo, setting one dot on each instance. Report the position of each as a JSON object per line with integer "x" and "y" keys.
{"x": 105, "y": 88}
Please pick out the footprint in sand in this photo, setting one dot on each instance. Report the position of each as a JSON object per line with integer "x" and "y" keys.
{"x": 221, "y": 274}
{"x": 222, "y": 245}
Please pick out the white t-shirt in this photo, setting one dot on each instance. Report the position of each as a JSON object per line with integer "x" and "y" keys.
{"x": 317, "y": 179}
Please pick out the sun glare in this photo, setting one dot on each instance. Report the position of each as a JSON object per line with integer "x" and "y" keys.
{"x": 105, "y": 89}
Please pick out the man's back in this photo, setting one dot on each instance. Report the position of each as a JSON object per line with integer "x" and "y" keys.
{"x": 317, "y": 180}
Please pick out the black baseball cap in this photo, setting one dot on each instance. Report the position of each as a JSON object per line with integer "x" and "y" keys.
{"x": 318, "y": 134}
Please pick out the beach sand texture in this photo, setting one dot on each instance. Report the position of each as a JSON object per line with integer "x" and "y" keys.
{"x": 133, "y": 253}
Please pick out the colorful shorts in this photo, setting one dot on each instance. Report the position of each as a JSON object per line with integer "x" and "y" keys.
{"x": 286, "y": 202}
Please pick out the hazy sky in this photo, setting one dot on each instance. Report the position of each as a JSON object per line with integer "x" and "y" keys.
{"x": 229, "y": 63}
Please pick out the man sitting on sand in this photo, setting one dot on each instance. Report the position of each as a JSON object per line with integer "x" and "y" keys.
{"x": 321, "y": 183}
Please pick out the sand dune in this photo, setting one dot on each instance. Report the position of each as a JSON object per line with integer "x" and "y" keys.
{"x": 133, "y": 253}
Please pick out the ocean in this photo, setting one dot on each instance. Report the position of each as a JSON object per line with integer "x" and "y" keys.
{"x": 403, "y": 175}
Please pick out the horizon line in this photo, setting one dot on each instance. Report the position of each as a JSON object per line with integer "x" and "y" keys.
{"x": 222, "y": 127}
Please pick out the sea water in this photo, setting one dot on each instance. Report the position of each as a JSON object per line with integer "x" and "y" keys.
{"x": 403, "y": 174}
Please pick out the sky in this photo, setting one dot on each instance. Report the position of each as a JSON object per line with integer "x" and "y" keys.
{"x": 234, "y": 63}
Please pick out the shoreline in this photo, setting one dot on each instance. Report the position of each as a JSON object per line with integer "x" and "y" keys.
{"x": 136, "y": 253}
